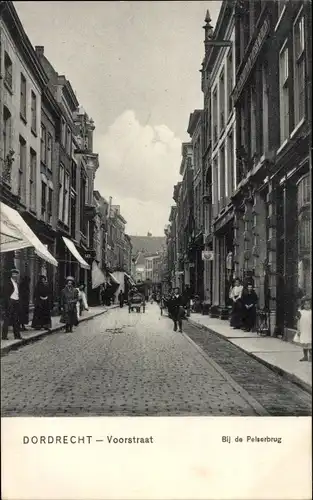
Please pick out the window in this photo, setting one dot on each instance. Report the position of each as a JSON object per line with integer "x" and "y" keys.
{"x": 253, "y": 117}
{"x": 8, "y": 71}
{"x": 265, "y": 87}
{"x": 43, "y": 199}
{"x": 61, "y": 192}
{"x": 73, "y": 216}
{"x": 230, "y": 165}
{"x": 299, "y": 69}
{"x": 7, "y": 131}
{"x": 43, "y": 145}
{"x": 222, "y": 175}
{"x": 23, "y": 99}
{"x": 66, "y": 198}
{"x": 222, "y": 101}
{"x": 32, "y": 179}
{"x": 74, "y": 175}
{"x": 34, "y": 112}
{"x": 304, "y": 235}
{"x": 215, "y": 182}
{"x": 69, "y": 141}
{"x": 49, "y": 152}
{"x": 230, "y": 80}
{"x": 214, "y": 125}
{"x": 21, "y": 169}
{"x": 50, "y": 203}
{"x": 284, "y": 94}
{"x": 63, "y": 132}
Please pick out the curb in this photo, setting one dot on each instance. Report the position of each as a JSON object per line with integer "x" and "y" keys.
{"x": 45, "y": 333}
{"x": 283, "y": 373}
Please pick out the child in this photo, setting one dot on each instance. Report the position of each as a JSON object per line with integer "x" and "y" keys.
{"x": 305, "y": 328}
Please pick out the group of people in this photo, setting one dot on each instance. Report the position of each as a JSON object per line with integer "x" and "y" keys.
{"x": 16, "y": 301}
{"x": 244, "y": 306}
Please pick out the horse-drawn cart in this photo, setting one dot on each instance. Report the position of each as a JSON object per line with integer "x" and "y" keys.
{"x": 136, "y": 302}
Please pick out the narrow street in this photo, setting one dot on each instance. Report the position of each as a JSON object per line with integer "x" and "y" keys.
{"x": 135, "y": 364}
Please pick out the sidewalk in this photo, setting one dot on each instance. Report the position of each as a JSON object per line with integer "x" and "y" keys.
{"x": 33, "y": 335}
{"x": 282, "y": 357}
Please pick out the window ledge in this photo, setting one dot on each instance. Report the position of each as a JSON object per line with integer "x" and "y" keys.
{"x": 23, "y": 118}
{"x": 34, "y": 132}
{"x": 295, "y": 130}
{"x": 8, "y": 86}
{"x": 283, "y": 145}
{"x": 280, "y": 18}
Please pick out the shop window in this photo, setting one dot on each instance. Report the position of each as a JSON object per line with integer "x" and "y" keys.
{"x": 304, "y": 235}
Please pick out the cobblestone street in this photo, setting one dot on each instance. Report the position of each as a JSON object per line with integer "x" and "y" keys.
{"x": 134, "y": 364}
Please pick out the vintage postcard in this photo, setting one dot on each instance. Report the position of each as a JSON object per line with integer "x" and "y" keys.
{"x": 155, "y": 251}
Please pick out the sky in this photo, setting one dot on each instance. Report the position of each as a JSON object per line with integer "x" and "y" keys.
{"x": 134, "y": 67}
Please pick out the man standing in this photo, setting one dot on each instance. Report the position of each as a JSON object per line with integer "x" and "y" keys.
{"x": 11, "y": 303}
{"x": 176, "y": 309}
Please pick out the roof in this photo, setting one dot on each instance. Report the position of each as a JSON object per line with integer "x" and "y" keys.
{"x": 147, "y": 244}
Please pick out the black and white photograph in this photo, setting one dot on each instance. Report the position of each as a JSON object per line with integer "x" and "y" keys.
{"x": 155, "y": 171}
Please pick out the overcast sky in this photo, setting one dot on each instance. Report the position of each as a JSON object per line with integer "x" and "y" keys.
{"x": 135, "y": 69}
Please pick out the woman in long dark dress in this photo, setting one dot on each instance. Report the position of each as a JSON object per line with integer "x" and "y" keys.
{"x": 43, "y": 305}
{"x": 69, "y": 298}
{"x": 249, "y": 303}
{"x": 235, "y": 296}
{"x": 24, "y": 295}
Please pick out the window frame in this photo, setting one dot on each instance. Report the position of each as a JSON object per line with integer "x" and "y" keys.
{"x": 284, "y": 86}
{"x": 43, "y": 144}
{"x": 8, "y": 71}
{"x": 49, "y": 147}
{"x": 23, "y": 97}
{"x": 32, "y": 178}
{"x": 33, "y": 107}
{"x": 297, "y": 61}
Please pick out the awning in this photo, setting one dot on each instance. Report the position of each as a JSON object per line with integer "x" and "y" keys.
{"x": 15, "y": 234}
{"x": 114, "y": 279}
{"x": 97, "y": 276}
{"x": 130, "y": 279}
{"x": 70, "y": 245}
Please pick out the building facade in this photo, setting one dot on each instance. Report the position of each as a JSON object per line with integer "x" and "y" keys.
{"x": 195, "y": 130}
{"x": 273, "y": 201}
{"x": 25, "y": 103}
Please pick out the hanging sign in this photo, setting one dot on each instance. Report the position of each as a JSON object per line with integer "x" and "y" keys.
{"x": 207, "y": 255}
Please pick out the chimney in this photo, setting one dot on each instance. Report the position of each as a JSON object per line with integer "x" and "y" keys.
{"x": 39, "y": 50}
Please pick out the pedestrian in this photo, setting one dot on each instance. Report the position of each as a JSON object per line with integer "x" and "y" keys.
{"x": 249, "y": 304}
{"x": 121, "y": 298}
{"x": 11, "y": 306}
{"x": 305, "y": 328}
{"x": 69, "y": 298}
{"x": 176, "y": 309}
{"x": 24, "y": 290}
{"x": 82, "y": 304}
{"x": 235, "y": 296}
{"x": 43, "y": 305}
